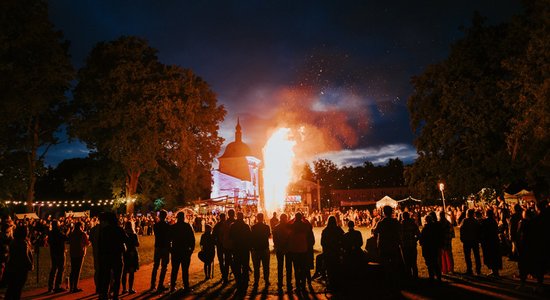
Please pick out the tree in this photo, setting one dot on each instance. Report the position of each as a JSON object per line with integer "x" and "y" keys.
{"x": 326, "y": 173}
{"x": 459, "y": 117}
{"x": 147, "y": 117}
{"x": 527, "y": 93}
{"x": 482, "y": 115}
{"x": 35, "y": 73}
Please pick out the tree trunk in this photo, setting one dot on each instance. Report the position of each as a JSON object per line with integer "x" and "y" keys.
{"x": 132, "y": 179}
{"x": 31, "y": 159}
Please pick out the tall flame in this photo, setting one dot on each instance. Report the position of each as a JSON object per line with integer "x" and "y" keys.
{"x": 278, "y": 159}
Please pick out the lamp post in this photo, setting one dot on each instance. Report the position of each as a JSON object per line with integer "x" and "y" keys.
{"x": 442, "y": 189}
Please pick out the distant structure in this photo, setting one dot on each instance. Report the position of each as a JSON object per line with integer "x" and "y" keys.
{"x": 237, "y": 176}
{"x": 362, "y": 197}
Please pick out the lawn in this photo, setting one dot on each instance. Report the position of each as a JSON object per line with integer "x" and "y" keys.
{"x": 146, "y": 257}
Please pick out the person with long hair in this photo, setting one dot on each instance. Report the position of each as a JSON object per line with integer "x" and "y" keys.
{"x": 208, "y": 251}
{"x": 20, "y": 262}
{"x": 331, "y": 241}
{"x": 131, "y": 258}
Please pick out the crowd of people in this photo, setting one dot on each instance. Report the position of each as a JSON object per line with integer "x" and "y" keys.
{"x": 519, "y": 233}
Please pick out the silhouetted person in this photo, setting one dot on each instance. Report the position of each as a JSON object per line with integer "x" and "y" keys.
{"x": 131, "y": 258}
{"x": 56, "y": 241}
{"x": 228, "y": 246}
{"x": 513, "y": 235}
{"x": 409, "y": 236}
{"x": 20, "y": 262}
{"x": 208, "y": 248}
{"x": 94, "y": 239}
{"x": 331, "y": 241}
{"x": 389, "y": 242}
{"x": 531, "y": 247}
{"x": 274, "y": 221}
{"x": 260, "y": 234}
{"x": 469, "y": 236}
{"x": 112, "y": 239}
{"x": 446, "y": 254}
{"x": 183, "y": 244}
{"x": 298, "y": 249}
{"x": 6, "y": 236}
{"x": 217, "y": 235}
{"x": 281, "y": 234}
{"x": 78, "y": 242}
{"x": 161, "y": 257}
{"x": 490, "y": 243}
{"x": 431, "y": 240}
{"x": 240, "y": 235}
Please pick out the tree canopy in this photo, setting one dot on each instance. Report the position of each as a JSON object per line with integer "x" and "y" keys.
{"x": 148, "y": 117}
{"x": 469, "y": 110}
{"x": 35, "y": 73}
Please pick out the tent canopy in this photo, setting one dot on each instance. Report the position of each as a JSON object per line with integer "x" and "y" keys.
{"x": 386, "y": 201}
{"x": 27, "y": 216}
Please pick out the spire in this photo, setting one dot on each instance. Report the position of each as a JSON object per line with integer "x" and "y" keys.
{"x": 238, "y": 133}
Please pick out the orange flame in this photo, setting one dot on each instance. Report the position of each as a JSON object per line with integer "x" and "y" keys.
{"x": 278, "y": 161}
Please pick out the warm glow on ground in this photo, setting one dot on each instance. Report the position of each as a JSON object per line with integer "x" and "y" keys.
{"x": 278, "y": 159}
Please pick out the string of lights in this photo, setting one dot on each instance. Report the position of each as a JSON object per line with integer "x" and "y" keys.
{"x": 70, "y": 203}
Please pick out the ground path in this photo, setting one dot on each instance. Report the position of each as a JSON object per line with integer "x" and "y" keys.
{"x": 452, "y": 287}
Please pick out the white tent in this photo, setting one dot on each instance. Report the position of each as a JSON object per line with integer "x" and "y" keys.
{"x": 27, "y": 216}
{"x": 386, "y": 201}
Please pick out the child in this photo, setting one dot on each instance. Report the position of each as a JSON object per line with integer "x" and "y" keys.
{"x": 207, "y": 250}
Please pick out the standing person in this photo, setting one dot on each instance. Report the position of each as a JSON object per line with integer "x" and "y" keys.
{"x": 331, "y": 241}
{"x": 446, "y": 255}
{"x": 513, "y": 235}
{"x": 161, "y": 257}
{"x": 56, "y": 241}
{"x": 240, "y": 235}
{"x": 131, "y": 258}
{"x": 274, "y": 221}
{"x": 281, "y": 234}
{"x": 490, "y": 243}
{"x": 20, "y": 262}
{"x": 409, "y": 235}
{"x": 469, "y": 236}
{"x": 183, "y": 244}
{"x": 94, "y": 239}
{"x": 431, "y": 241}
{"x": 78, "y": 242}
{"x": 217, "y": 234}
{"x": 260, "y": 234}
{"x": 112, "y": 240}
{"x": 228, "y": 246}
{"x": 298, "y": 247}
{"x": 388, "y": 235}
{"x": 6, "y": 236}
{"x": 208, "y": 250}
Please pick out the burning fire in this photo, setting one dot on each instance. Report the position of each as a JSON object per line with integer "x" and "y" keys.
{"x": 278, "y": 159}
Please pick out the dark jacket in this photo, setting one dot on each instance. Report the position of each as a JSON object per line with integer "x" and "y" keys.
{"x": 183, "y": 239}
{"x": 162, "y": 234}
{"x": 389, "y": 235}
{"x": 56, "y": 241}
{"x": 409, "y": 233}
{"x": 260, "y": 233}
{"x": 112, "y": 243}
{"x": 240, "y": 236}
{"x": 469, "y": 231}
{"x": 299, "y": 237}
{"x": 281, "y": 235}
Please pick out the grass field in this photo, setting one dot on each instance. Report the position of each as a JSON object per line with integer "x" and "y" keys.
{"x": 146, "y": 257}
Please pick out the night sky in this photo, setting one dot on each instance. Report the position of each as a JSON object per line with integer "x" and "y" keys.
{"x": 340, "y": 69}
